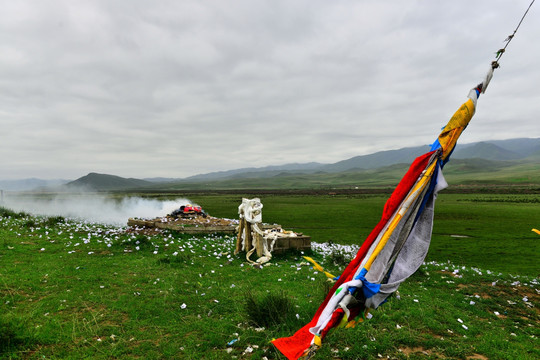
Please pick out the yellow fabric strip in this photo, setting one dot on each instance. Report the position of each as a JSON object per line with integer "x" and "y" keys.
{"x": 403, "y": 208}
{"x": 455, "y": 127}
{"x": 319, "y": 267}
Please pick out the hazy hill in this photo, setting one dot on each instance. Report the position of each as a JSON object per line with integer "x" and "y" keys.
{"x": 378, "y": 159}
{"x": 161, "y": 180}
{"x": 262, "y": 171}
{"x": 104, "y": 182}
{"x": 31, "y": 183}
{"x": 525, "y": 147}
{"x": 487, "y": 151}
{"x": 535, "y": 157}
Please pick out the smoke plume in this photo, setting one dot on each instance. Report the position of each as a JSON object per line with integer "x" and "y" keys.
{"x": 91, "y": 207}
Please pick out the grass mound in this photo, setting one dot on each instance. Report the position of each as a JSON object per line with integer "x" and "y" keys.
{"x": 13, "y": 335}
{"x": 268, "y": 310}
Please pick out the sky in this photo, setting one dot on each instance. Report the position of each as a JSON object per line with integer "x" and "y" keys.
{"x": 177, "y": 88}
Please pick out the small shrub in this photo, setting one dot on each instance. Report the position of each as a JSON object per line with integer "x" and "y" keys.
{"x": 12, "y": 335}
{"x": 143, "y": 242}
{"x": 5, "y": 212}
{"x": 54, "y": 220}
{"x": 269, "y": 310}
{"x": 339, "y": 258}
{"x": 324, "y": 287}
{"x": 177, "y": 260}
{"x": 30, "y": 223}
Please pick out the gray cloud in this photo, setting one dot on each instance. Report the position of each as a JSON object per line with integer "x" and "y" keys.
{"x": 175, "y": 88}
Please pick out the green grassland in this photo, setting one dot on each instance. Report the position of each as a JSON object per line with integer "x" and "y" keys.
{"x": 457, "y": 172}
{"x": 76, "y": 290}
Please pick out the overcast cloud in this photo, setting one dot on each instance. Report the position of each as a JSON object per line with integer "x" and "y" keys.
{"x": 177, "y": 88}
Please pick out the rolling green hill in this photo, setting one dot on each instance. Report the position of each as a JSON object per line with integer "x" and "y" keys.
{"x": 457, "y": 172}
{"x": 104, "y": 182}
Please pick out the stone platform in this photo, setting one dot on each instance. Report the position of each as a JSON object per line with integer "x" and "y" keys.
{"x": 300, "y": 243}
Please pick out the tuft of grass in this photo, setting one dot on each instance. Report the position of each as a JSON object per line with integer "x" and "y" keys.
{"x": 30, "y": 223}
{"x": 143, "y": 242}
{"x": 268, "y": 310}
{"x": 53, "y": 221}
{"x": 13, "y": 335}
{"x": 5, "y": 212}
{"x": 174, "y": 260}
{"x": 338, "y": 258}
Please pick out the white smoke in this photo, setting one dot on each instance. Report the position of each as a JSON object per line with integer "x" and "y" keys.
{"x": 92, "y": 207}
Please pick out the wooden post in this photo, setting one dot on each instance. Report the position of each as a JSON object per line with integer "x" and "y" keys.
{"x": 259, "y": 244}
{"x": 248, "y": 241}
{"x": 241, "y": 227}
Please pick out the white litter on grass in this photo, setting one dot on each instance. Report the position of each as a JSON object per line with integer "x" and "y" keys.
{"x": 183, "y": 306}
{"x": 327, "y": 249}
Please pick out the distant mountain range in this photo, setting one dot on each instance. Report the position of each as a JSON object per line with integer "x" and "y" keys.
{"x": 29, "y": 184}
{"x": 480, "y": 157}
{"x": 513, "y": 149}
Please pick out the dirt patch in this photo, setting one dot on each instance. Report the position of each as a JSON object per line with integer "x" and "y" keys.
{"x": 477, "y": 356}
{"x": 467, "y": 286}
{"x": 420, "y": 350}
{"x": 408, "y": 351}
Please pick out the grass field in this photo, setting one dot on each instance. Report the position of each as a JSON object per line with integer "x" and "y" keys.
{"x": 71, "y": 289}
